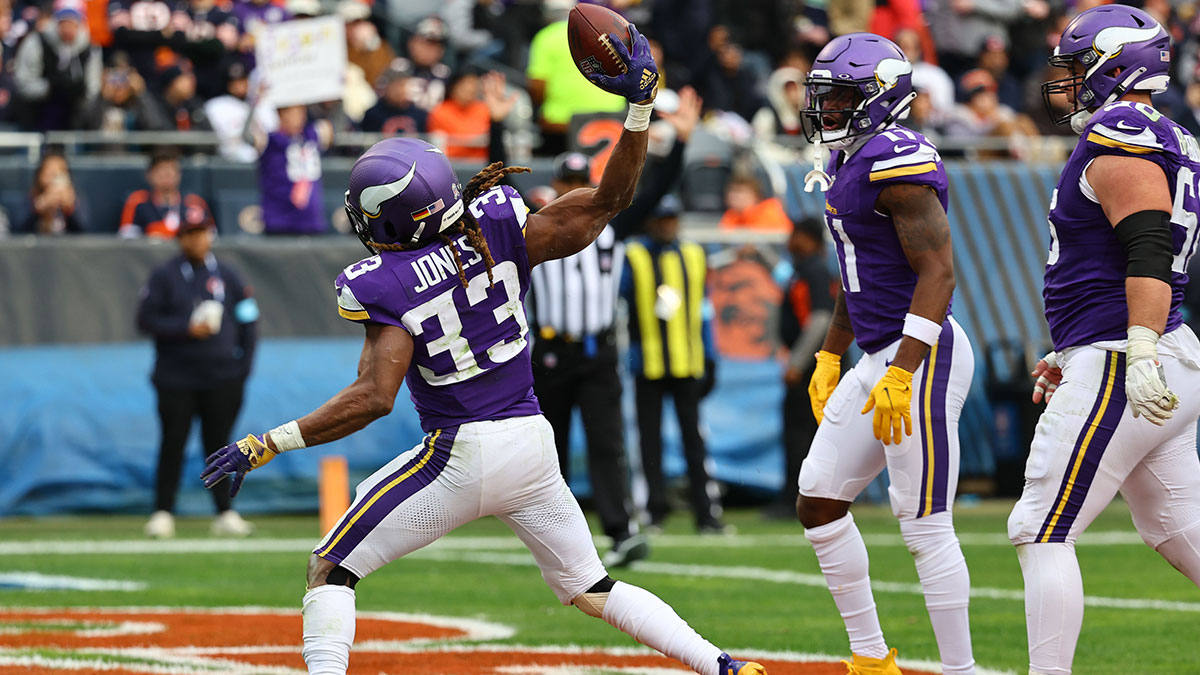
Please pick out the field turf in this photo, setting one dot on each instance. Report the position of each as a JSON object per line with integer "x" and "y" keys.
{"x": 758, "y": 589}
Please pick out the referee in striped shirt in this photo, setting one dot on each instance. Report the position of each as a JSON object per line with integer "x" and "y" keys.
{"x": 575, "y": 359}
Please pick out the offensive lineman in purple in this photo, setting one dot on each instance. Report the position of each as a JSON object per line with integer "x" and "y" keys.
{"x": 1122, "y": 386}
{"x": 1085, "y": 271}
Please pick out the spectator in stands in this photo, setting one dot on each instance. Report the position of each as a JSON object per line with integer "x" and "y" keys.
{"x": 182, "y": 109}
{"x": 364, "y": 47}
{"x": 927, "y": 76}
{"x": 8, "y": 94}
{"x": 960, "y": 28}
{"x": 54, "y": 206}
{"x": 251, "y": 16}
{"x": 731, "y": 86}
{"x": 459, "y": 125}
{"x": 922, "y": 118}
{"x": 57, "y": 71}
{"x": 227, "y": 114}
{"x": 159, "y": 210}
{"x": 395, "y": 114}
{"x": 203, "y": 319}
{"x": 557, "y": 85}
{"x": 681, "y": 25}
{"x": 747, "y": 208}
{"x": 143, "y": 29}
{"x": 123, "y": 104}
{"x": 804, "y": 316}
{"x": 684, "y": 368}
{"x": 982, "y": 115}
{"x": 426, "y": 50}
{"x": 289, "y": 171}
{"x": 994, "y": 59}
{"x": 211, "y": 38}
{"x": 785, "y": 97}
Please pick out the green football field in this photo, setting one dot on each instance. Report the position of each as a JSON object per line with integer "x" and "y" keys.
{"x": 757, "y": 590}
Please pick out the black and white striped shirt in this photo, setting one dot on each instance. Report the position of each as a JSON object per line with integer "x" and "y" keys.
{"x": 577, "y": 296}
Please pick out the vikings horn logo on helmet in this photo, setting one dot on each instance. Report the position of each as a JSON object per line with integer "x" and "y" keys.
{"x": 372, "y": 198}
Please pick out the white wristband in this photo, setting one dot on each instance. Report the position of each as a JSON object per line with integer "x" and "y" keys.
{"x": 287, "y": 437}
{"x": 638, "y": 118}
{"x": 920, "y": 328}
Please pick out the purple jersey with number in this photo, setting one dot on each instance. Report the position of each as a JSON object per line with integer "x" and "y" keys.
{"x": 1085, "y": 270}
{"x": 470, "y": 359}
{"x": 289, "y": 176}
{"x": 876, "y": 278}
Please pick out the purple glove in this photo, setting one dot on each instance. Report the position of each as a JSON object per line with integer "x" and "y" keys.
{"x": 640, "y": 80}
{"x": 236, "y": 459}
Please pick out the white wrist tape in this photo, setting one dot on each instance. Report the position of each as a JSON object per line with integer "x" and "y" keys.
{"x": 287, "y": 437}
{"x": 638, "y": 118}
{"x": 920, "y": 328}
{"x": 1143, "y": 344}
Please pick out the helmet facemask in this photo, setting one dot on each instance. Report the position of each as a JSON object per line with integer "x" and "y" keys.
{"x": 358, "y": 220}
{"x": 836, "y": 110}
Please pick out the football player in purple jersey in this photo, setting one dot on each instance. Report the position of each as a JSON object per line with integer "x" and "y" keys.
{"x": 886, "y": 212}
{"x": 441, "y": 298}
{"x": 1123, "y": 225}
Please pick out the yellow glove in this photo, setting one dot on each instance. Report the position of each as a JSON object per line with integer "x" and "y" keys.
{"x": 892, "y": 400}
{"x": 824, "y": 381}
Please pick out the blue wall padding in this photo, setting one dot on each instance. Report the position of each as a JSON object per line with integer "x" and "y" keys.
{"x": 78, "y": 429}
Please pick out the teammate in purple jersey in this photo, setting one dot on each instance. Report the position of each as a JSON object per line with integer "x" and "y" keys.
{"x": 441, "y": 299}
{"x": 886, "y": 212}
{"x": 1123, "y": 225}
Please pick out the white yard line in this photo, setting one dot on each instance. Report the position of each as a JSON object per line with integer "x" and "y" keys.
{"x": 36, "y": 581}
{"x": 802, "y": 579}
{"x": 485, "y": 543}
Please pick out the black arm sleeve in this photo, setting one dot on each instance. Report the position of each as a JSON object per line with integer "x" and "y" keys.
{"x": 653, "y": 188}
{"x": 1146, "y": 236}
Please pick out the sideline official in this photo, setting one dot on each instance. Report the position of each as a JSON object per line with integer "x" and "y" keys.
{"x": 203, "y": 321}
{"x": 671, "y": 352}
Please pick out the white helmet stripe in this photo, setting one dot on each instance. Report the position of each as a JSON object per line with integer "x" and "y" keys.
{"x": 372, "y": 198}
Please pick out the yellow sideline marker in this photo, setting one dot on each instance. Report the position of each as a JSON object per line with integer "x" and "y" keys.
{"x": 333, "y": 485}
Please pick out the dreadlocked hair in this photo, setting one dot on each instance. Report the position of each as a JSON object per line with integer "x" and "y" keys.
{"x": 467, "y": 225}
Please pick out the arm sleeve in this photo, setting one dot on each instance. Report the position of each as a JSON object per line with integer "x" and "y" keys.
{"x": 156, "y": 316}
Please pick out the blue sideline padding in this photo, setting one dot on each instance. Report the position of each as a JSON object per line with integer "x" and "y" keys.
{"x": 79, "y": 431}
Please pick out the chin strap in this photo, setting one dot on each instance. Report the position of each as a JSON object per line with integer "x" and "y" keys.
{"x": 817, "y": 177}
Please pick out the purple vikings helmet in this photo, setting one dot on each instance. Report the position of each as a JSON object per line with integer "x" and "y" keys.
{"x": 1098, "y": 42}
{"x": 858, "y": 84}
{"x": 402, "y": 191}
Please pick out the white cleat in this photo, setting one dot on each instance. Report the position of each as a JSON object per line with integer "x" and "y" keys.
{"x": 161, "y": 525}
{"x": 230, "y": 524}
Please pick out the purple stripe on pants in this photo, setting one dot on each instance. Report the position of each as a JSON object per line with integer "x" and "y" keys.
{"x": 941, "y": 432}
{"x": 1105, "y": 429}
{"x": 388, "y": 494}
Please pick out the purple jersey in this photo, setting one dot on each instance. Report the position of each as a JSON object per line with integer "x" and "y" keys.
{"x": 876, "y": 278}
{"x": 470, "y": 359}
{"x": 1085, "y": 270}
{"x": 289, "y": 176}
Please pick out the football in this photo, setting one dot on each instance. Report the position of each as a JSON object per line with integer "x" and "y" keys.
{"x": 588, "y": 30}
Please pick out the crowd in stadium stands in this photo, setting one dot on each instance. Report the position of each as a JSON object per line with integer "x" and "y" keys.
{"x": 415, "y": 67}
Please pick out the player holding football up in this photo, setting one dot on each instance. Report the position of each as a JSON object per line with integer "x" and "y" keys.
{"x": 1123, "y": 225}
{"x": 441, "y": 299}
{"x": 899, "y": 406}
